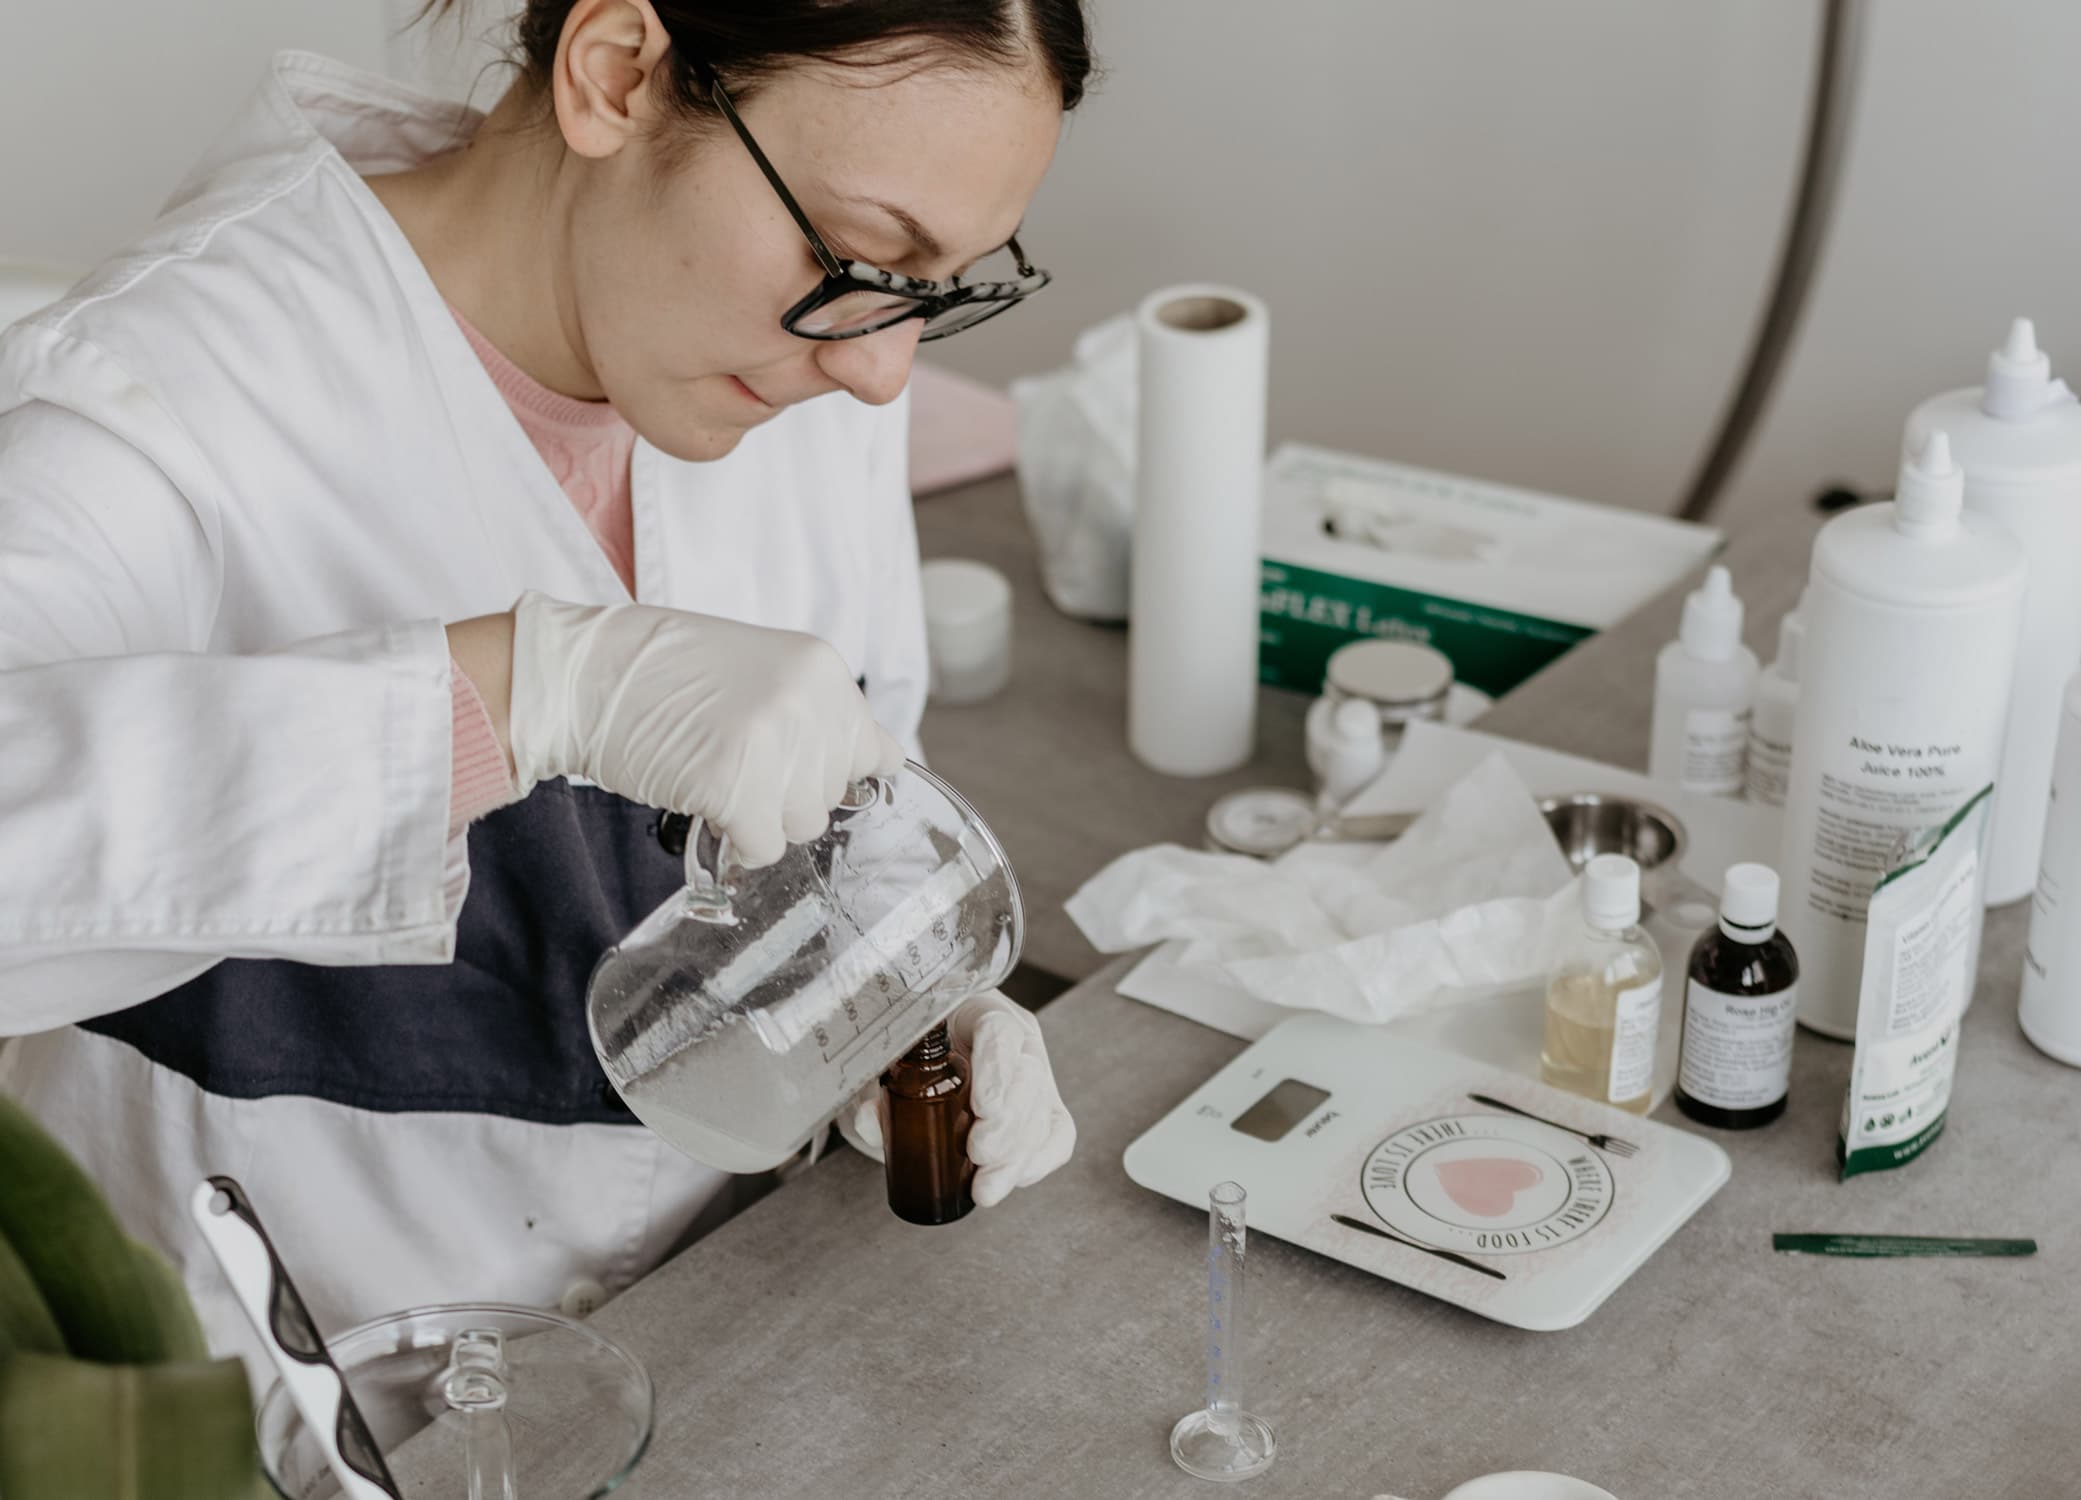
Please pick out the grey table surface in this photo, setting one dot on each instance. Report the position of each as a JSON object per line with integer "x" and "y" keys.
{"x": 816, "y": 1346}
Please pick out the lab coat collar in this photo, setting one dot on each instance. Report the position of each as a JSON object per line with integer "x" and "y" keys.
{"x": 308, "y": 108}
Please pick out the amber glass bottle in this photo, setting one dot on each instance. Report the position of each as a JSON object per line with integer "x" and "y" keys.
{"x": 1739, "y": 1004}
{"x": 925, "y": 1119}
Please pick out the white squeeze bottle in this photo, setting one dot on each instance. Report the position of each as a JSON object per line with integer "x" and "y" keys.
{"x": 1770, "y": 724}
{"x": 2018, "y": 438}
{"x": 2050, "y": 1007}
{"x": 1911, "y": 611}
{"x": 1705, "y": 684}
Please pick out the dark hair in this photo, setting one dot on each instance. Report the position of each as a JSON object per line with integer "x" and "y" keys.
{"x": 748, "y": 41}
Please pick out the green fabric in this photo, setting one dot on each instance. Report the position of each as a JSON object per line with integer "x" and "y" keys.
{"x": 114, "y": 1300}
{"x": 106, "y": 1388}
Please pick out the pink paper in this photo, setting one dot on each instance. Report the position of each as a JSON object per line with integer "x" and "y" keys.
{"x": 960, "y": 430}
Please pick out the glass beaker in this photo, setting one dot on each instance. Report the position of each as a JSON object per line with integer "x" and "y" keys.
{"x": 742, "y": 1014}
{"x": 477, "y": 1400}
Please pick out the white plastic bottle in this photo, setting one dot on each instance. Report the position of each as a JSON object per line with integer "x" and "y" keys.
{"x": 1705, "y": 685}
{"x": 1604, "y": 996}
{"x": 2050, "y": 1011}
{"x": 1911, "y": 612}
{"x": 2018, "y": 438}
{"x": 1770, "y": 725}
{"x": 1346, "y": 748}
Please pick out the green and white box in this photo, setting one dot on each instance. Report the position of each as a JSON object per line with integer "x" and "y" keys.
{"x": 1501, "y": 580}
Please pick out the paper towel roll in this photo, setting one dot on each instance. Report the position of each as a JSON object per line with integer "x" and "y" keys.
{"x": 1192, "y": 614}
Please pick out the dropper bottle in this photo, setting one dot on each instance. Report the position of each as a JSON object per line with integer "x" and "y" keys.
{"x": 1777, "y": 704}
{"x": 1705, "y": 686}
{"x": 1911, "y": 613}
{"x": 1604, "y": 995}
{"x": 925, "y": 1119}
{"x": 2018, "y": 439}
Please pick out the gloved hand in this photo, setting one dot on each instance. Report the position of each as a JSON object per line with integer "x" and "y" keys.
{"x": 758, "y": 731}
{"x": 1022, "y": 1130}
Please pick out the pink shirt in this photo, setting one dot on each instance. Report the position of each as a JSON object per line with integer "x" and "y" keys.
{"x": 587, "y": 446}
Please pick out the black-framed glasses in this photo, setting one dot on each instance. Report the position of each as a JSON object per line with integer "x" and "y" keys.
{"x": 854, "y": 298}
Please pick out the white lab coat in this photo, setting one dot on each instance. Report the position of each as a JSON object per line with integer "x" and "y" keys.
{"x": 247, "y": 471}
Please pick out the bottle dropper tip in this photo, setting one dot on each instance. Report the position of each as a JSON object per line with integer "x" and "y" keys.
{"x": 1935, "y": 458}
{"x": 2022, "y": 342}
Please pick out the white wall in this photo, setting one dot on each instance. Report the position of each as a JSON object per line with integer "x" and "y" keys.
{"x": 103, "y": 107}
{"x": 1518, "y": 239}
{"x": 1529, "y": 241}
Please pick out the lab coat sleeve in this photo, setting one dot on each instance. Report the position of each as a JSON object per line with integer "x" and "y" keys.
{"x": 163, "y": 807}
{"x": 896, "y": 668}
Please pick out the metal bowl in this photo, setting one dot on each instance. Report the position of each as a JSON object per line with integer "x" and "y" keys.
{"x": 1587, "y": 824}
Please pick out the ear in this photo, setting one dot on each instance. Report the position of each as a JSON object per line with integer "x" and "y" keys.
{"x": 601, "y": 79}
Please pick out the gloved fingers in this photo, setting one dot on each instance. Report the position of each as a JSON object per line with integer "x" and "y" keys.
{"x": 835, "y": 775}
{"x": 997, "y": 1058}
{"x": 867, "y": 1119}
{"x": 756, "y": 843}
{"x": 992, "y": 1184}
{"x": 995, "y": 1180}
{"x": 970, "y": 1013}
{"x": 1054, "y": 1150}
{"x": 1024, "y": 1096}
{"x": 875, "y": 752}
{"x": 1021, "y": 1125}
{"x": 750, "y": 815}
{"x": 805, "y": 814}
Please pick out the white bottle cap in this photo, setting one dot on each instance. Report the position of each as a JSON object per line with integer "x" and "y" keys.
{"x": 1712, "y": 618}
{"x": 1749, "y": 903}
{"x": 1611, "y": 892}
{"x": 1791, "y": 637}
{"x": 2019, "y": 376}
{"x": 1931, "y": 492}
{"x": 1354, "y": 751}
{"x": 1401, "y": 677}
{"x": 1354, "y": 724}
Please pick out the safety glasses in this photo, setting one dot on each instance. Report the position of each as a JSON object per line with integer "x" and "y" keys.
{"x": 854, "y": 298}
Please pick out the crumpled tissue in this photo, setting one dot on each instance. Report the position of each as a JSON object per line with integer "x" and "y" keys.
{"x": 1077, "y": 442}
{"x": 1465, "y": 901}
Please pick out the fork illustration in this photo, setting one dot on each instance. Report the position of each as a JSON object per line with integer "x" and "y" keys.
{"x": 1614, "y": 1144}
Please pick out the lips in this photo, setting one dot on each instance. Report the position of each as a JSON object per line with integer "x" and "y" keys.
{"x": 1487, "y": 1186}
{"x": 748, "y": 391}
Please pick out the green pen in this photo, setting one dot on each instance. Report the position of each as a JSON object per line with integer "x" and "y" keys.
{"x": 1896, "y": 1246}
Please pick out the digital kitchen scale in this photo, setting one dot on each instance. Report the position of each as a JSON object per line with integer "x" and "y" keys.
{"x": 1416, "y": 1165}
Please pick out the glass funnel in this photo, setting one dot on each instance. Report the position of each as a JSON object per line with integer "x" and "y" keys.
{"x": 742, "y": 1015}
{"x": 481, "y": 1400}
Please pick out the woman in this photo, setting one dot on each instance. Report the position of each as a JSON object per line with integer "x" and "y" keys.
{"x": 312, "y": 880}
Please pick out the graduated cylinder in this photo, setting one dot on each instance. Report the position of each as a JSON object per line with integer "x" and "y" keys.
{"x": 1192, "y": 615}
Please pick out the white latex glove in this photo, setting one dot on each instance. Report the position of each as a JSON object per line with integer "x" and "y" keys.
{"x": 758, "y": 731}
{"x": 1022, "y": 1130}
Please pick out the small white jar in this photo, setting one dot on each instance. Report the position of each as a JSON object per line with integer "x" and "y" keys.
{"x": 968, "y": 629}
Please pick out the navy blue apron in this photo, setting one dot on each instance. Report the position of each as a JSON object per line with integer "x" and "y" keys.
{"x": 555, "y": 881}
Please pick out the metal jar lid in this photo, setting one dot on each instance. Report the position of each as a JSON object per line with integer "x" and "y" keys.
{"x": 1406, "y": 680}
{"x": 1260, "y": 821}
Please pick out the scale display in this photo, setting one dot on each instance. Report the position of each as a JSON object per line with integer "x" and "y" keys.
{"x": 1478, "y": 1186}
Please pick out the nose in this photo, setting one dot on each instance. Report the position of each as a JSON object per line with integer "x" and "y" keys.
{"x": 876, "y": 366}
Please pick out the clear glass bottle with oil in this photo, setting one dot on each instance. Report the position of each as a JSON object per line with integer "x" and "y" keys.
{"x": 1604, "y": 995}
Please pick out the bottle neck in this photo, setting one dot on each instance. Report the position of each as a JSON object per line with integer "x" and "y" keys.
{"x": 932, "y": 1048}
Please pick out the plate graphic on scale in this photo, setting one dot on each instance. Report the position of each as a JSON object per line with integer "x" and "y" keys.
{"x": 1493, "y": 1185}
